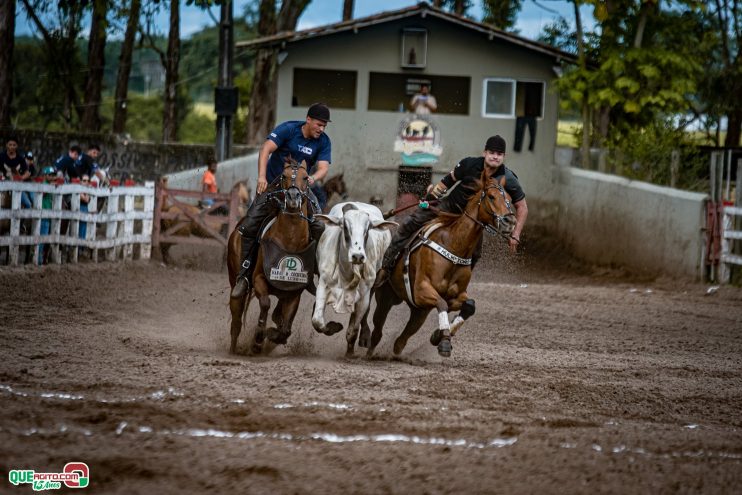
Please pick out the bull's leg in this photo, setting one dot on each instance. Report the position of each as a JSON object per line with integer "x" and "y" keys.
{"x": 385, "y": 299}
{"x": 360, "y": 311}
{"x": 281, "y": 334}
{"x": 417, "y": 318}
{"x": 318, "y": 314}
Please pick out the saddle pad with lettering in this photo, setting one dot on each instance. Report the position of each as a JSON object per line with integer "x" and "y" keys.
{"x": 287, "y": 271}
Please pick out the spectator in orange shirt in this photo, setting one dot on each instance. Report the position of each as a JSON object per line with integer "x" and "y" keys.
{"x": 209, "y": 182}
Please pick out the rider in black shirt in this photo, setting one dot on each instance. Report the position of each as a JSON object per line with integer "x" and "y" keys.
{"x": 453, "y": 193}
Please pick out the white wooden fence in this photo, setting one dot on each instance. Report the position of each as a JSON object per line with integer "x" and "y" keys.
{"x": 731, "y": 217}
{"x": 728, "y": 236}
{"x": 122, "y": 229}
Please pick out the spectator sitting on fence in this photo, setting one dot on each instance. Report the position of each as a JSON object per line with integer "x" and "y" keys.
{"x": 11, "y": 162}
{"x": 30, "y": 165}
{"x": 50, "y": 175}
{"x": 209, "y": 184}
{"x": 65, "y": 164}
{"x": 87, "y": 164}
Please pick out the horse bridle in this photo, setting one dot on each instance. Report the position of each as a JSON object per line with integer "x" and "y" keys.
{"x": 281, "y": 193}
{"x": 498, "y": 219}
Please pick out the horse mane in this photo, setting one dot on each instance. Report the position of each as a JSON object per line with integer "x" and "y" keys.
{"x": 471, "y": 187}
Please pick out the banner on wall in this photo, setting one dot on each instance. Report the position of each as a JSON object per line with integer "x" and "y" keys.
{"x": 418, "y": 140}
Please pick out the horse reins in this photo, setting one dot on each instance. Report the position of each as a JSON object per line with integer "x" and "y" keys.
{"x": 498, "y": 218}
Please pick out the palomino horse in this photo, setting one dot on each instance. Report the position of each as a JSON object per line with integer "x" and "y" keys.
{"x": 287, "y": 235}
{"x": 440, "y": 280}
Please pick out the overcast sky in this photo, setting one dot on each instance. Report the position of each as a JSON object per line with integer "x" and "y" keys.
{"x": 533, "y": 16}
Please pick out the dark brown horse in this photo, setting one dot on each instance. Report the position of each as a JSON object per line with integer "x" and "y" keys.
{"x": 289, "y": 234}
{"x": 437, "y": 281}
{"x": 335, "y": 185}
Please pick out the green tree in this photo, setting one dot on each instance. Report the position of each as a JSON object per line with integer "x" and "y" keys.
{"x": 7, "y": 39}
{"x": 262, "y": 116}
{"x": 502, "y": 14}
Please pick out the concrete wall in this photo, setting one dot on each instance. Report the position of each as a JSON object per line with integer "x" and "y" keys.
{"x": 228, "y": 173}
{"x": 611, "y": 220}
{"x": 362, "y": 139}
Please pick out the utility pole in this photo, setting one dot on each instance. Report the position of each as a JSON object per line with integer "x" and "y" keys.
{"x": 225, "y": 94}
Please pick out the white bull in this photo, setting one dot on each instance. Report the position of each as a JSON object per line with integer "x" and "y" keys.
{"x": 349, "y": 254}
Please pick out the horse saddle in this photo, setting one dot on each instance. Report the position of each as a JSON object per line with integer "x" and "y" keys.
{"x": 288, "y": 271}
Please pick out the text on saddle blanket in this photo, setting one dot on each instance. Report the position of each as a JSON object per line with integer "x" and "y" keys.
{"x": 287, "y": 271}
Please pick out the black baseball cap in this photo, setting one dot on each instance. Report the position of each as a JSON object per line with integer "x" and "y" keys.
{"x": 319, "y": 111}
{"x": 495, "y": 143}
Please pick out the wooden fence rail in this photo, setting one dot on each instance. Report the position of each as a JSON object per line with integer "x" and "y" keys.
{"x": 731, "y": 232}
{"x": 118, "y": 223}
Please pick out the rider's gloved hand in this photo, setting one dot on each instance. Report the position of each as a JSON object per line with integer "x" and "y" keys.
{"x": 437, "y": 190}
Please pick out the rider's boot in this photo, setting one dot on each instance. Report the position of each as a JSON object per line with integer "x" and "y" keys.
{"x": 316, "y": 228}
{"x": 242, "y": 285}
{"x": 387, "y": 266}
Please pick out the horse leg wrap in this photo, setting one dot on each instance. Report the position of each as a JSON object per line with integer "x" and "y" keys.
{"x": 443, "y": 321}
{"x": 467, "y": 309}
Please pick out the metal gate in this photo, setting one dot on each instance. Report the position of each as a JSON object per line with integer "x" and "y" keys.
{"x": 724, "y": 217}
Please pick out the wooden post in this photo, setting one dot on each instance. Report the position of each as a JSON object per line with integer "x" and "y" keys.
{"x": 149, "y": 203}
{"x": 112, "y": 207}
{"x": 56, "y": 228}
{"x": 674, "y": 168}
{"x": 15, "y": 227}
{"x": 92, "y": 226}
{"x": 74, "y": 226}
{"x": 36, "y": 226}
{"x": 159, "y": 199}
{"x": 128, "y": 248}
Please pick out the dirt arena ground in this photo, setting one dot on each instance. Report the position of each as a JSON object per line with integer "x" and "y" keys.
{"x": 567, "y": 380}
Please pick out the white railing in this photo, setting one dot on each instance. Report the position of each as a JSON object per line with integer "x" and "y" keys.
{"x": 121, "y": 229}
{"x": 728, "y": 236}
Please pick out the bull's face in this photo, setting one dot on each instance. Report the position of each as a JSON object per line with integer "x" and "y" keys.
{"x": 355, "y": 234}
{"x": 356, "y": 225}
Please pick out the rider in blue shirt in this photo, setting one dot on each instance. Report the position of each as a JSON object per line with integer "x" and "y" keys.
{"x": 303, "y": 141}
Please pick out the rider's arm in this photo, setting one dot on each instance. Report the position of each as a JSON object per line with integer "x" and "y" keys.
{"x": 268, "y": 147}
{"x": 322, "y": 167}
{"x": 521, "y": 213}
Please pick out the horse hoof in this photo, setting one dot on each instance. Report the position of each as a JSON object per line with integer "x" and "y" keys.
{"x": 435, "y": 337}
{"x": 275, "y": 336}
{"x": 333, "y": 327}
{"x": 445, "y": 347}
{"x": 364, "y": 339}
